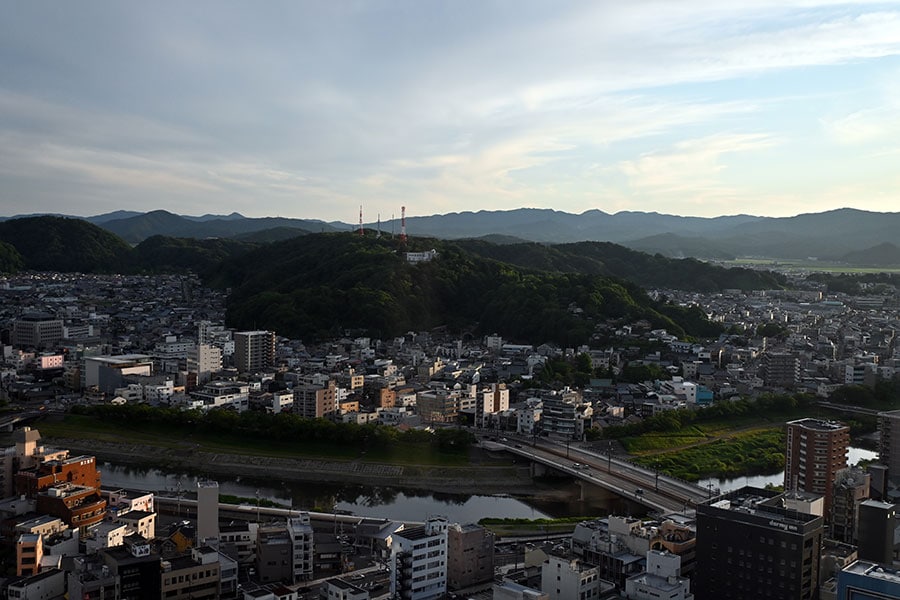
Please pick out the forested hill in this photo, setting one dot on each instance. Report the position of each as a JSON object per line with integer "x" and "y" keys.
{"x": 320, "y": 285}
{"x": 605, "y": 258}
{"x": 63, "y": 244}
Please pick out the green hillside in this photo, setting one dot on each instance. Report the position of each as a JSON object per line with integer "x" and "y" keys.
{"x": 160, "y": 254}
{"x": 323, "y": 284}
{"x": 10, "y": 259}
{"x": 62, "y": 244}
{"x": 604, "y": 258}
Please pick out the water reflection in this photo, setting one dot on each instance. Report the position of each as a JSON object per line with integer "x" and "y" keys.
{"x": 726, "y": 485}
{"x": 375, "y": 501}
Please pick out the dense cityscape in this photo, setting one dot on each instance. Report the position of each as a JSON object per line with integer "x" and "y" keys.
{"x": 76, "y": 343}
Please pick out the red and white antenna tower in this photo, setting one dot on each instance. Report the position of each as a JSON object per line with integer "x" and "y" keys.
{"x": 361, "y": 232}
{"x": 402, "y": 223}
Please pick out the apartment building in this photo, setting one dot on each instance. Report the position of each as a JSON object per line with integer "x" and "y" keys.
{"x": 254, "y": 351}
{"x": 419, "y": 561}
{"x": 816, "y": 451}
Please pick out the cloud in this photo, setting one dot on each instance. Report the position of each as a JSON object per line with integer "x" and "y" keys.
{"x": 691, "y": 173}
{"x": 312, "y": 108}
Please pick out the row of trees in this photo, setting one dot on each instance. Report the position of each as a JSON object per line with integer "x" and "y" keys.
{"x": 671, "y": 421}
{"x": 282, "y": 427}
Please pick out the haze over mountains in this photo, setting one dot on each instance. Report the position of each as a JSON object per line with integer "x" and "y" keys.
{"x": 847, "y": 235}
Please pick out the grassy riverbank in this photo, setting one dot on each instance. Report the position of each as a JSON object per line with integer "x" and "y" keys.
{"x": 400, "y": 452}
{"x": 753, "y": 452}
{"x": 531, "y": 527}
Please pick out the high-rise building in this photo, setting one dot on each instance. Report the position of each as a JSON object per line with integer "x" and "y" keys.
{"x": 781, "y": 369}
{"x": 493, "y": 400}
{"x": 750, "y": 547}
{"x": 851, "y": 488}
{"x": 889, "y": 443}
{"x": 300, "y": 532}
{"x": 315, "y": 401}
{"x": 877, "y": 523}
{"x": 419, "y": 561}
{"x": 204, "y": 360}
{"x": 207, "y": 511}
{"x": 816, "y": 451}
{"x": 254, "y": 350}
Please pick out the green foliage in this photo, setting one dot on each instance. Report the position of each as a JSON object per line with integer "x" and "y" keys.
{"x": 283, "y": 427}
{"x": 884, "y": 395}
{"x": 163, "y": 254}
{"x": 751, "y": 453}
{"x": 856, "y": 284}
{"x": 636, "y": 373}
{"x": 522, "y": 521}
{"x": 771, "y": 330}
{"x": 676, "y": 420}
{"x": 264, "y": 502}
{"x": 323, "y": 284}
{"x": 605, "y": 258}
{"x": 61, "y": 244}
{"x": 10, "y": 259}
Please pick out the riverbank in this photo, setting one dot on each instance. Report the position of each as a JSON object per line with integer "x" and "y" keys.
{"x": 481, "y": 477}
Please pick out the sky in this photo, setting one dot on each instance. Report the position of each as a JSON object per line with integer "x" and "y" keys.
{"x": 311, "y": 109}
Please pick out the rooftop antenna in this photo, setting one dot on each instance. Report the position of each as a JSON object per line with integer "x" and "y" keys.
{"x": 360, "y": 220}
{"x": 403, "y": 224}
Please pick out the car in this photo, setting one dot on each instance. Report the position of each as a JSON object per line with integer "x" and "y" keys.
{"x": 518, "y": 446}
{"x": 638, "y": 492}
{"x": 576, "y": 465}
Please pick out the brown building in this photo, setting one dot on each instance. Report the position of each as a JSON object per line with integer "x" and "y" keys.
{"x": 315, "y": 401}
{"x": 29, "y": 551}
{"x": 470, "y": 556}
{"x": 816, "y": 451}
{"x": 79, "y": 506}
{"x": 68, "y": 488}
{"x": 80, "y": 470}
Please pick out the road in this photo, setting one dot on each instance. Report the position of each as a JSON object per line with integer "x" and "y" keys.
{"x": 644, "y": 486}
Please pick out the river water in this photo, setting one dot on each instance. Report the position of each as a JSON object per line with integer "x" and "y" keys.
{"x": 553, "y": 498}
{"x": 374, "y": 501}
{"x": 414, "y": 505}
{"x": 726, "y": 485}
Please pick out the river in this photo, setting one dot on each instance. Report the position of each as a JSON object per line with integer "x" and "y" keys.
{"x": 726, "y": 485}
{"x": 557, "y": 500}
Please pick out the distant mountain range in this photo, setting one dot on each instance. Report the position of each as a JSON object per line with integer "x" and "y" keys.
{"x": 848, "y": 235}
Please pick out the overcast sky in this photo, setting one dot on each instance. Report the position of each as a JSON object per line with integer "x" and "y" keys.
{"x": 311, "y": 109}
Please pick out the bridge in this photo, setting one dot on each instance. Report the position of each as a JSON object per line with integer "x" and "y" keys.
{"x": 644, "y": 486}
{"x": 9, "y": 422}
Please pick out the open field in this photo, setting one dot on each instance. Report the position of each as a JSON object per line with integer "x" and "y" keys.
{"x": 775, "y": 264}
{"x": 755, "y": 451}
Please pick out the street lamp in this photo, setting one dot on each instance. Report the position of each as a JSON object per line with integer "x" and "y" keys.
{"x": 609, "y": 457}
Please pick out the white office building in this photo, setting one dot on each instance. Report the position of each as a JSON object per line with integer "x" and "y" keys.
{"x": 419, "y": 561}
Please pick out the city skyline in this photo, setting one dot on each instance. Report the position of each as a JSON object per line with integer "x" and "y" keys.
{"x": 310, "y": 110}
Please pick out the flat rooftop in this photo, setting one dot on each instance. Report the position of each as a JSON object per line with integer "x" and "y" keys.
{"x": 875, "y": 570}
{"x": 819, "y": 424}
